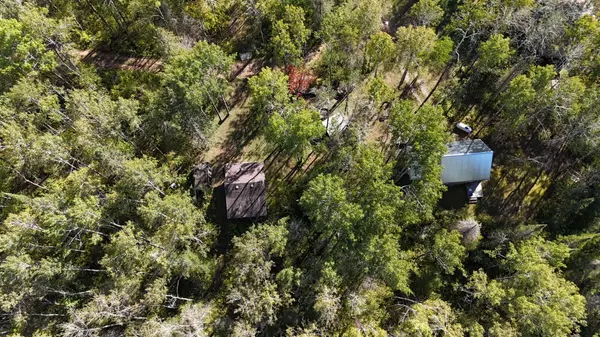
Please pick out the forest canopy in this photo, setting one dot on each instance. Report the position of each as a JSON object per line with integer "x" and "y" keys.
{"x": 112, "y": 112}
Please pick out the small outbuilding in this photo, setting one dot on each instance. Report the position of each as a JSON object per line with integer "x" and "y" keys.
{"x": 474, "y": 191}
{"x": 245, "y": 190}
{"x": 202, "y": 176}
{"x": 467, "y": 161}
{"x": 464, "y": 166}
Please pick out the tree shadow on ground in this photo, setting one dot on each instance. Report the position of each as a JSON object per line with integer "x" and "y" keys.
{"x": 401, "y": 17}
{"x": 454, "y": 198}
{"x": 246, "y": 69}
{"x": 508, "y": 195}
{"x": 108, "y": 60}
{"x": 227, "y": 229}
{"x": 241, "y": 132}
{"x": 216, "y": 214}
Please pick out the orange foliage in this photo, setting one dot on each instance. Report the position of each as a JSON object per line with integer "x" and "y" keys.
{"x": 300, "y": 80}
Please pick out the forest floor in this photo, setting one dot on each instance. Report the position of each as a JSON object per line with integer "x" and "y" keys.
{"x": 106, "y": 60}
{"x": 515, "y": 190}
{"x": 236, "y": 139}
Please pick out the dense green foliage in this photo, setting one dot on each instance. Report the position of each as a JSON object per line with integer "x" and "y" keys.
{"x": 102, "y": 235}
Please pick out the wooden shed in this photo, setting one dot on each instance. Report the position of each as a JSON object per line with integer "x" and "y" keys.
{"x": 245, "y": 190}
{"x": 202, "y": 176}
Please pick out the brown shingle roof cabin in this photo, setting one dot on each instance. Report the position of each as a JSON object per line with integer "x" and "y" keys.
{"x": 245, "y": 190}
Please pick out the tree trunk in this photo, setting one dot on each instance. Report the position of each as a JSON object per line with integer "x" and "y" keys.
{"x": 404, "y": 74}
{"x": 226, "y": 106}
{"x": 410, "y": 86}
{"x": 435, "y": 86}
{"x": 215, "y": 107}
{"x": 98, "y": 14}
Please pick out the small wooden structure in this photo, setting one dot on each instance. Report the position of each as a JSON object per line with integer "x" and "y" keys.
{"x": 245, "y": 190}
{"x": 474, "y": 191}
{"x": 202, "y": 175}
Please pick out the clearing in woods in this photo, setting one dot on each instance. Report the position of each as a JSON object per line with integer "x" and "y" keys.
{"x": 235, "y": 138}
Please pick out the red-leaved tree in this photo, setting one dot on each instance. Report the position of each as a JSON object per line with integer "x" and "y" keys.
{"x": 300, "y": 79}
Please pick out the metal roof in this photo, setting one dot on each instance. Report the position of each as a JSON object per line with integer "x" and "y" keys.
{"x": 462, "y": 147}
{"x": 245, "y": 190}
{"x": 467, "y": 161}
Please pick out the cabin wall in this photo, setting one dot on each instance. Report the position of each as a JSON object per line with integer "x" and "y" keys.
{"x": 466, "y": 167}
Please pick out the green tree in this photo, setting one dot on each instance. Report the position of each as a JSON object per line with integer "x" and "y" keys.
{"x": 584, "y": 35}
{"x": 447, "y": 251}
{"x": 289, "y": 36}
{"x": 123, "y": 26}
{"x": 431, "y": 318}
{"x": 251, "y": 288}
{"x": 29, "y": 152}
{"x": 125, "y": 257}
{"x": 422, "y": 140}
{"x": 414, "y": 47}
{"x": 379, "y": 91}
{"x": 540, "y": 108}
{"x": 182, "y": 235}
{"x": 194, "y": 87}
{"x": 344, "y": 31}
{"x": 294, "y": 131}
{"x": 213, "y": 15}
{"x": 380, "y": 94}
{"x": 21, "y": 53}
{"x": 59, "y": 229}
{"x": 379, "y": 50}
{"x": 194, "y": 319}
{"x": 426, "y": 13}
{"x": 135, "y": 178}
{"x": 326, "y": 203}
{"x": 101, "y": 313}
{"x": 270, "y": 94}
{"x": 494, "y": 53}
{"x": 100, "y": 127}
{"x": 370, "y": 230}
{"x": 534, "y": 297}
{"x": 441, "y": 54}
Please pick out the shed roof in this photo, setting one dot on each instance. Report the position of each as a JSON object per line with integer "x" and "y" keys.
{"x": 202, "y": 174}
{"x": 463, "y": 147}
{"x": 467, "y": 161}
{"x": 245, "y": 190}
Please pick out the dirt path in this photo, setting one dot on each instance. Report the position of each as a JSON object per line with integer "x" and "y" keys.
{"x": 104, "y": 60}
{"x": 246, "y": 69}
{"x": 115, "y": 61}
